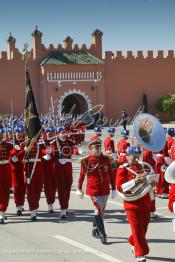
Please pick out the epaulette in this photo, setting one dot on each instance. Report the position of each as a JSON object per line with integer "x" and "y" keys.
{"x": 52, "y": 141}
{"x": 109, "y": 157}
{"x": 83, "y": 159}
{"x": 124, "y": 165}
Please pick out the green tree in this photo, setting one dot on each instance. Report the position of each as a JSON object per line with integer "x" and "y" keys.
{"x": 166, "y": 104}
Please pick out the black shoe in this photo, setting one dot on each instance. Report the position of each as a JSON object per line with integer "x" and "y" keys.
{"x": 34, "y": 218}
{"x": 63, "y": 217}
{"x": 95, "y": 232}
{"x": 11, "y": 191}
{"x": 2, "y": 220}
{"x": 103, "y": 239}
{"x": 23, "y": 209}
{"x": 51, "y": 211}
{"x": 19, "y": 212}
{"x": 5, "y": 217}
{"x": 101, "y": 228}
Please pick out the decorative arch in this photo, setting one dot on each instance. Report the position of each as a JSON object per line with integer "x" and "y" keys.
{"x": 72, "y": 92}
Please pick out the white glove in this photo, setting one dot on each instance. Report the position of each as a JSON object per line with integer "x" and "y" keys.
{"x": 16, "y": 147}
{"x": 80, "y": 193}
{"x": 26, "y": 149}
{"x": 14, "y": 159}
{"x": 114, "y": 155}
{"x": 113, "y": 194}
{"x": 174, "y": 207}
{"x": 46, "y": 157}
{"x": 62, "y": 161}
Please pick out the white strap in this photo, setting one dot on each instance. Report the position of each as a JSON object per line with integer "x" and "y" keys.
{"x": 128, "y": 185}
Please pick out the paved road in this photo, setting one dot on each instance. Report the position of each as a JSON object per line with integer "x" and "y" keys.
{"x": 51, "y": 239}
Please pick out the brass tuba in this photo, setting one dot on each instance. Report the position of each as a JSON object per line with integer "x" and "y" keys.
{"x": 141, "y": 189}
{"x": 170, "y": 173}
{"x": 150, "y": 134}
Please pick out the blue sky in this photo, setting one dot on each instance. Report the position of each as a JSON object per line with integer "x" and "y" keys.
{"x": 126, "y": 24}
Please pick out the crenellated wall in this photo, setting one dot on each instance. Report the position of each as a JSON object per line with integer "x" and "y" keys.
{"x": 124, "y": 76}
{"x": 131, "y": 74}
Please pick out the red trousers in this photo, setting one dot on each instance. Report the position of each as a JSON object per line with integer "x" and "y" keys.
{"x": 63, "y": 178}
{"x": 139, "y": 220}
{"x": 49, "y": 182}
{"x": 18, "y": 184}
{"x": 162, "y": 186}
{"x": 35, "y": 187}
{"x": 5, "y": 184}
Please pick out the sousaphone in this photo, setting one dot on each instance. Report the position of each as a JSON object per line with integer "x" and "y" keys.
{"x": 170, "y": 173}
{"x": 151, "y": 135}
{"x": 149, "y": 132}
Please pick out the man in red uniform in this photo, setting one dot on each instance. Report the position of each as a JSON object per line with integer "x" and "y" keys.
{"x": 97, "y": 135}
{"x": 170, "y": 138}
{"x": 109, "y": 148}
{"x": 17, "y": 166}
{"x": 162, "y": 187}
{"x": 109, "y": 142}
{"x": 138, "y": 211}
{"x": 48, "y": 175}
{"x": 98, "y": 170}
{"x": 33, "y": 168}
{"x": 171, "y": 203}
{"x": 62, "y": 168}
{"x": 148, "y": 157}
{"x": 5, "y": 175}
{"x": 122, "y": 146}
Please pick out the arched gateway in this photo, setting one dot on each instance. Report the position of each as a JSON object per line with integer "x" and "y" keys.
{"x": 74, "y": 101}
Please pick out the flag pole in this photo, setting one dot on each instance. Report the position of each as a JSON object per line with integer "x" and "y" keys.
{"x": 26, "y": 57}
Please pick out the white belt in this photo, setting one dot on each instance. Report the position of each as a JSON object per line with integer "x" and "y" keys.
{"x": 33, "y": 160}
{"x": 159, "y": 155}
{"x": 66, "y": 160}
{"x": 122, "y": 154}
{"x": 2, "y": 162}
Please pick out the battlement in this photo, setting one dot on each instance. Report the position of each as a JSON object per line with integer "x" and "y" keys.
{"x": 39, "y": 50}
{"x": 136, "y": 55}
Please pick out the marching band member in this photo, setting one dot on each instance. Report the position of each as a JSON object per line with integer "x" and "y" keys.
{"x": 109, "y": 148}
{"x": 33, "y": 166}
{"x": 98, "y": 170}
{"x": 138, "y": 211}
{"x": 122, "y": 146}
{"x": 17, "y": 167}
{"x": 148, "y": 157}
{"x": 98, "y": 133}
{"x": 171, "y": 202}
{"x": 170, "y": 138}
{"x": 62, "y": 168}
{"x": 162, "y": 187}
{"x": 48, "y": 174}
{"x": 5, "y": 175}
{"x": 109, "y": 142}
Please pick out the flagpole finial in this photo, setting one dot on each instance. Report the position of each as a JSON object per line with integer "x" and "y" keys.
{"x": 26, "y": 55}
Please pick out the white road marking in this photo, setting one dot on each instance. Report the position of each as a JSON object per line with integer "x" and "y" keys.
{"x": 88, "y": 249}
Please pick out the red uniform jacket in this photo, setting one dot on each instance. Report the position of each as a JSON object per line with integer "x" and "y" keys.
{"x": 36, "y": 147}
{"x": 172, "y": 150}
{"x": 5, "y": 148}
{"x": 171, "y": 197}
{"x": 123, "y": 176}
{"x": 169, "y": 141}
{"x": 148, "y": 157}
{"x": 62, "y": 149}
{"x": 109, "y": 144}
{"x": 18, "y": 165}
{"x": 99, "y": 175}
{"x": 122, "y": 146}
